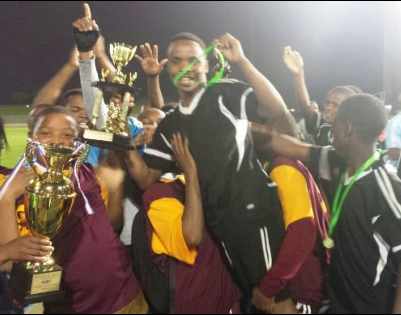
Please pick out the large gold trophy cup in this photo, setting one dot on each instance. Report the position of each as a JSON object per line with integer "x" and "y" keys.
{"x": 113, "y": 134}
{"x": 48, "y": 201}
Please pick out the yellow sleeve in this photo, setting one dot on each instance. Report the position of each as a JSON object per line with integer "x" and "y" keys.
{"x": 293, "y": 194}
{"x": 2, "y": 180}
{"x": 165, "y": 215}
{"x": 20, "y": 213}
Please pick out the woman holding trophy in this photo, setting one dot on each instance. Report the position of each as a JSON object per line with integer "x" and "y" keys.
{"x": 97, "y": 278}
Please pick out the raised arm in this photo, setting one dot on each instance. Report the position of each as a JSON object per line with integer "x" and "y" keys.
{"x": 281, "y": 145}
{"x": 102, "y": 59}
{"x": 86, "y": 34}
{"x": 152, "y": 68}
{"x": 141, "y": 173}
{"x": 52, "y": 90}
{"x": 192, "y": 220}
{"x": 270, "y": 100}
{"x": 294, "y": 62}
{"x": 110, "y": 171}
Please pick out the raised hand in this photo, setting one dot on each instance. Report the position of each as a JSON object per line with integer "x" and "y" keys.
{"x": 146, "y": 137}
{"x": 85, "y": 30}
{"x": 293, "y": 60}
{"x": 150, "y": 60}
{"x": 183, "y": 155}
{"x": 231, "y": 48}
{"x": 86, "y": 23}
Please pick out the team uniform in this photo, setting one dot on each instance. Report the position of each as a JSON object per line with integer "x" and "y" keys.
{"x": 201, "y": 283}
{"x": 317, "y": 126}
{"x": 240, "y": 202}
{"x": 367, "y": 252}
{"x": 98, "y": 278}
{"x": 302, "y": 264}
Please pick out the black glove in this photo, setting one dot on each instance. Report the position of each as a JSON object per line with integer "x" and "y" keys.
{"x": 85, "y": 40}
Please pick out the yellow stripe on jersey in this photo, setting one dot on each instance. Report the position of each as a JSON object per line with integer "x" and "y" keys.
{"x": 293, "y": 194}
{"x": 165, "y": 215}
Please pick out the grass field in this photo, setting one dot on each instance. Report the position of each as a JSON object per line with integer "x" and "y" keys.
{"x": 17, "y": 135}
{"x": 17, "y": 142}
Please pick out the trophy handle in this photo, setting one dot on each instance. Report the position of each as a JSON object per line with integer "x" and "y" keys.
{"x": 31, "y": 155}
{"x": 77, "y": 160}
{"x": 83, "y": 155}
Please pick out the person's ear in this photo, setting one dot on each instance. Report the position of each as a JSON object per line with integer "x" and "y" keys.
{"x": 348, "y": 130}
{"x": 206, "y": 65}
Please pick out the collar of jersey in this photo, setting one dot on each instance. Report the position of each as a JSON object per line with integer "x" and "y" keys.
{"x": 194, "y": 104}
{"x": 363, "y": 174}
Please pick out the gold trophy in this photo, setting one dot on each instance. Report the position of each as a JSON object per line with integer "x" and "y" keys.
{"x": 48, "y": 201}
{"x": 114, "y": 135}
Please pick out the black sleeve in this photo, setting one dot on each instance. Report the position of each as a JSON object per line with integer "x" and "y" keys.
{"x": 388, "y": 225}
{"x": 159, "y": 155}
{"x": 326, "y": 164}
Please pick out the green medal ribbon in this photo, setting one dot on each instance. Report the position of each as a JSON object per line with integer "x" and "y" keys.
{"x": 218, "y": 75}
{"x": 341, "y": 196}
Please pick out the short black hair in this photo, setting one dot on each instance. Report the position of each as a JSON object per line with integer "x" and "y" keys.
{"x": 366, "y": 114}
{"x": 343, "y": 90}
{"x": 50, "y": 111}
{"x": 355, "y": 88}
{"x": 67, "y": 94}
{"x": 186, "y": 36}
{"x": 285, "y": 125}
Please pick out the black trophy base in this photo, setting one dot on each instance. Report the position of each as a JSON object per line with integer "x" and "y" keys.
{"x": 115, "y": 88}
{"x": 28, "y": 287}
{"x": 109, "y": 141}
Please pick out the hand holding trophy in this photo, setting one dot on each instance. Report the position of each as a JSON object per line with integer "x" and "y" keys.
{"x": 48, "y": 201}
{"x": 118, "y": 93}
{"x": 113, "y": 134}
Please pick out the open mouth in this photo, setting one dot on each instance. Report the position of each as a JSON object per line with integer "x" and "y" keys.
{"x": 187, "y": 80}
{"x": 84, "y": 125}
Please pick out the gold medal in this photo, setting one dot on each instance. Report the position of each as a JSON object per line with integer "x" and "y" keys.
{"x": 328, "y": 243}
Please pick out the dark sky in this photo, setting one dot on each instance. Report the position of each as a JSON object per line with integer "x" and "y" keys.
{"x": 341, "y": 41}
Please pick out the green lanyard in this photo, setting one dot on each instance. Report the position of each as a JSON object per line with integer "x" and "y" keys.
{"x": 216, "y": 78}
{"x": 329, "y": 135}
{"x": 341, "y": 196}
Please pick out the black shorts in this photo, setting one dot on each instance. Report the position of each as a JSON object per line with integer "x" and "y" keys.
{"x": 251, "y": 234}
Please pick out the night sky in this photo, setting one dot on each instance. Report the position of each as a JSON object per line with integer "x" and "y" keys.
{"x": 341, "y": 42}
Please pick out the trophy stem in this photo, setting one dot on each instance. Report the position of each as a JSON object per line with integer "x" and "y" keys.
{"x": 44, "y": 266}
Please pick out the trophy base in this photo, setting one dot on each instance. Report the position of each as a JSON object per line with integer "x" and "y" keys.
{"x": 108, "y": 141}
{"x": 28, "y": 287}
